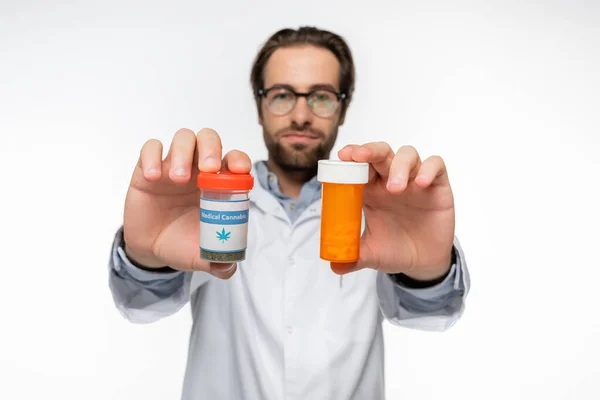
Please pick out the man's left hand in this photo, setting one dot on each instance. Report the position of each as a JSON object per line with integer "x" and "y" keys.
{"x": 409, "y": 213}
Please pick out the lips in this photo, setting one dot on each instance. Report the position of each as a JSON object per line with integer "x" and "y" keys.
{"x": 301, "y": 134}
{"x": 304, "y": 137}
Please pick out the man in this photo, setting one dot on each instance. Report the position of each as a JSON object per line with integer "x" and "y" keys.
{"x": 284, "y": 324}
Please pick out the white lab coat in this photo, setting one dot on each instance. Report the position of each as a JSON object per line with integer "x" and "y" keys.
{"x": 285, "y": 326}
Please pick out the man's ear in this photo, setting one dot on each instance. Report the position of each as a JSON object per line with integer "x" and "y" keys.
{"x": 259, "y": 112}
{"x": 343, "y": 113}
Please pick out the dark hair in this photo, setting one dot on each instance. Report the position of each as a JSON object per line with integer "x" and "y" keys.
{"x": 303, "y": 36}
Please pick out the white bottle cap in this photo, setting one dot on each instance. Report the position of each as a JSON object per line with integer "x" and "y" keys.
{"x": 334, "y": 171}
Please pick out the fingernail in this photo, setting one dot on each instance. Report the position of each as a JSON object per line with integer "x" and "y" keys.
{"x": 224, "y": 268}
{"x": 396, "y": 181}
{"x": 152, "y": 171}
{"x": 421, "y": 179}
{"x": 230, "y": 268}
{"x": 179, "y": 171}
{"x": 210, "y": 162}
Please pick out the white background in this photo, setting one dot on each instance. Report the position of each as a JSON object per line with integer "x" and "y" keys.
{"x": 506, "y": 93}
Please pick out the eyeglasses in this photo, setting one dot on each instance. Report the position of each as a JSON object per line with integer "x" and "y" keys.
{"x": 322, "y": 102}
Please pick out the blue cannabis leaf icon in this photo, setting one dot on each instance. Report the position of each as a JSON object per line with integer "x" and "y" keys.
{"x": 223, "y": 236}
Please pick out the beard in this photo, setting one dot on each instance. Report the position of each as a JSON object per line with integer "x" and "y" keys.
{"x": 299, "y": 157}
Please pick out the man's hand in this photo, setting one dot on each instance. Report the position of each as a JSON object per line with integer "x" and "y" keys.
{"x": 409, "y": 213}
{"x": 162, "y": 215}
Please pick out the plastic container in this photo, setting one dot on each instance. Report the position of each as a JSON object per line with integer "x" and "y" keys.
{"x": 224, "y": 208}
{"x": 341, "y": 215}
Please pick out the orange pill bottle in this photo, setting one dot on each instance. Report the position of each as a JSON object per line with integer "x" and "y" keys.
{"x": 341, "y": 216}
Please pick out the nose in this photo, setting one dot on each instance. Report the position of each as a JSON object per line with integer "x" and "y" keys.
{"x": 301, "y": 114}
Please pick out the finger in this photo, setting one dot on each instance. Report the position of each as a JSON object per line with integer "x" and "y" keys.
{"x": 181, "y": 154}
{"x": 433, "y": 171}
{"x": 367, "y": 259}
{"x": 345, "y": 154}
{"x": 344, "y": 268}
{"x": 378, "y": 154}
{"x": 223, "y": 271}
{"x": 210, "y": 150}
{"x": 150, "y": 160}
{"x": 404, "y": 167}
{"x": 237, "y": 162}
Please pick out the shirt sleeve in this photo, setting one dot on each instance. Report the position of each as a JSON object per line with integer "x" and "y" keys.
{"x": 434, "y": 308}
{"x": 144, "y": 296}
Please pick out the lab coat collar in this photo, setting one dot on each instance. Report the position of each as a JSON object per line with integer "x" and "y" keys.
{"x": 268, "y": 203}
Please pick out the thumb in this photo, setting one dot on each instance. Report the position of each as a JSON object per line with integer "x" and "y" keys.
{"x": 367, "y": 259}
{"x": 223, "y": 271}
{"x": 344, "y": 268}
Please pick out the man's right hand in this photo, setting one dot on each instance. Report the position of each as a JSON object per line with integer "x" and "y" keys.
{"x": 162, "y": 215}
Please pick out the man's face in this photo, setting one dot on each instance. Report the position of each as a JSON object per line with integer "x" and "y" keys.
{"x": 299, "y": 138}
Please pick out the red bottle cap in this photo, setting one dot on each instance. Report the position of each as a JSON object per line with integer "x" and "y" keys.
{"x": 224, "y": 181}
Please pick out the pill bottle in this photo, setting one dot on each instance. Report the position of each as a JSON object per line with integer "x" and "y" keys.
{"x": 224, "y": 208}
{"x": 341, "y": 216}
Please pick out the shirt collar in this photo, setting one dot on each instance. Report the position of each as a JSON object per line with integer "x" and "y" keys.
{"x": 268, "y": 180}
